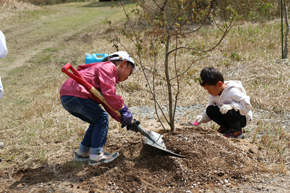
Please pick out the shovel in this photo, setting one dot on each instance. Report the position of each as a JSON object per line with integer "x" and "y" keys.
{"x": 152, "y": 138}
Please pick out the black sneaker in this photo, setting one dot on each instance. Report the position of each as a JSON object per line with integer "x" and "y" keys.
{"x": 222, "y": 129}
{"x": 234, "y": 134}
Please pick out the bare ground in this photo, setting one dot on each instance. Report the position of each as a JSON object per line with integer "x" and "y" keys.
{"x": 212, "y": 163}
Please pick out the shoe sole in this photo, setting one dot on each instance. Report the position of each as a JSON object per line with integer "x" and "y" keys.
{"x": 76, "y": 159}
{"x": 240, "y": 137}
{"x": 115, "y": 155}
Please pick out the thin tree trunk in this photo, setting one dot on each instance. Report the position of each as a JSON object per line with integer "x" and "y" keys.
{"x": 285, "y": 50}
{"x": 171, "y": 120}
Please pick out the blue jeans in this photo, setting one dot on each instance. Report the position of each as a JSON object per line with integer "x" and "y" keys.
{"x": 91, "y": 112}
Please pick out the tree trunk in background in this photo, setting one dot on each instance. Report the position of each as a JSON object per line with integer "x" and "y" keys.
{"x": 285, "y": 50}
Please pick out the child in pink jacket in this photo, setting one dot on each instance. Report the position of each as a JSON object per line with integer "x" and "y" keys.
{"x": 78, "y": 101}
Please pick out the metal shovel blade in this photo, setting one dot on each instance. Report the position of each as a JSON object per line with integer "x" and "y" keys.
{"x": 155, "y": 140}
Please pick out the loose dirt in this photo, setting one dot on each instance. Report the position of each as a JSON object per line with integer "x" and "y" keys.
{"x": 211, "y": 161}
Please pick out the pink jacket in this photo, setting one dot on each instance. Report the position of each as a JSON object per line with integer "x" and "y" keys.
{"x": 104, "y": 77}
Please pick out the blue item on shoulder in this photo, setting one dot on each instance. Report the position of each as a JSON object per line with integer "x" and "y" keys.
{"x": 94, "y": 58}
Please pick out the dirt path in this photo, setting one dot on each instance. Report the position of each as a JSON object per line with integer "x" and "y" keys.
{"x": 31, "y": 36}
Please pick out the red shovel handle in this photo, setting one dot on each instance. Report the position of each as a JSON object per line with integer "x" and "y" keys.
{"x": 77, "y": 77}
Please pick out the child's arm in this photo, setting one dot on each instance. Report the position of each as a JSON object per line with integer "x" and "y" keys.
{"x": 1, "y": 89}
{"x": 203, "y": 118}
{"x": 3, "y": 48}
{"x": 241, "y": 102}
{"x": 107, "y": 87}
{"x": 108, "y": 79}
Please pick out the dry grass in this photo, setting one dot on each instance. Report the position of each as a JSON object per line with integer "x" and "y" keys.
{"x": 37, "y": 130}
{"x": 12, "y": 6}
{"x": 14, "y": 10}
{"x": 274, "y": 142}
{"x": 250, "y": 53}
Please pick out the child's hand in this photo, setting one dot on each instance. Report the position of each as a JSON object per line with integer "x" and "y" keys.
{"x": 225, "y": 108}
{"x": 133, "y": 126}
{"x": 126, "y": 116}
{"x": 200, "y": 118}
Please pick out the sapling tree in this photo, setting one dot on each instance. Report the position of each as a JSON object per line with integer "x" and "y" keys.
{"x": 163, "y": 34}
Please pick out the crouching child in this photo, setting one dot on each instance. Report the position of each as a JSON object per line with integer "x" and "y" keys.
{"x": 229, "y": 106}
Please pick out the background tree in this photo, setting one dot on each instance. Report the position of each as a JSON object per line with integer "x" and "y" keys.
{"x": 250, "y": 10}
{"x": 284, "y": 8}
{"x": 163, "y": 33}
{"x": 259, "y": 11}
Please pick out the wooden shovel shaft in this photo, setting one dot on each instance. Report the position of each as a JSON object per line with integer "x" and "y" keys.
{"x": 98, "y": 94}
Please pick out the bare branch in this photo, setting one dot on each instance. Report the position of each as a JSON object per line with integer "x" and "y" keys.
{"x": 192, "y": 31}
{"x": 156, "y": 4}
{"x": 155, "y": 100}
{"x": 179, "y": 13}
{"x": 164, "y": 5}
{"x": 195, "y": 30}
{"x": 150, "y": 9}
{"x": 153, "y": 94}
{"x": 217, "y": 25}
{"x": 189, "y": 48}
{"x": 127, "y": 16}
{"x": 186, "y": 68}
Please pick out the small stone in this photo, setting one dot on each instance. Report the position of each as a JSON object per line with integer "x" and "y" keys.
{"x": 1, "y": 145}
{"x": 259, "y": 187}
{"x": 253, "y": 149}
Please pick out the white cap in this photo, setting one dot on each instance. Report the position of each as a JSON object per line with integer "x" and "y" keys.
{"x": 121, "y": 55}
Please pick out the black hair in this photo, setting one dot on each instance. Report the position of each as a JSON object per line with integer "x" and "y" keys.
{"x": 210, "y": 76}
{"x": 116, "y": 62}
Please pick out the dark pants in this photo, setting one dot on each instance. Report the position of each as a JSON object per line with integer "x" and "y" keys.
{"x": 90, "y": 112}
{"x": 231, "y": 120}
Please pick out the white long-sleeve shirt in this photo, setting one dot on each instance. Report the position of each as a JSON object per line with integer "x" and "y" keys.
{"x": 3, "y": 53}
{"x": 1, "y": 89}
{"x": 3, "y": 47}
{"x": 235, "y": 95}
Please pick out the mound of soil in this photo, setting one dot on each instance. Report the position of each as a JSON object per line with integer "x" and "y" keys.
{"x": 211, "y": 160}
